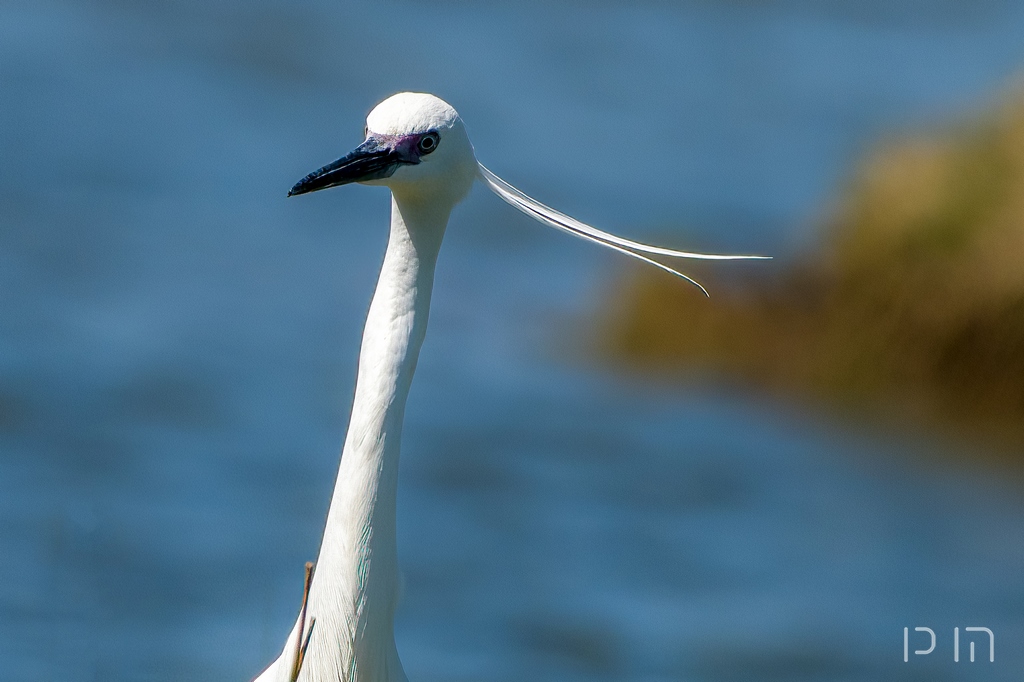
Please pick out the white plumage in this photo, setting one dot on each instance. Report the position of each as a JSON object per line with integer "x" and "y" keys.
{"x": 416, "y": 145}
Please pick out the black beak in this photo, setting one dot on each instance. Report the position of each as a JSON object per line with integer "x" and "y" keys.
{"x": 371, "y": 160}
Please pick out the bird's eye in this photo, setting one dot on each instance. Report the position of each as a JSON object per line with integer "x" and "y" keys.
{"x": 428, "y": 143}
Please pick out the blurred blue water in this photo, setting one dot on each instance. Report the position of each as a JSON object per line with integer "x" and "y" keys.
{"x": 178, "y": 343}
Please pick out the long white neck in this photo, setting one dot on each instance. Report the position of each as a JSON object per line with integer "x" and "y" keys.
{"x": 355, "y": 585}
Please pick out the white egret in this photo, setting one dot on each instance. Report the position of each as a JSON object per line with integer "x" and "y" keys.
{"x": 417, "y": 146}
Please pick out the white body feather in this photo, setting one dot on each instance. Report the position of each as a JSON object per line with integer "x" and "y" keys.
{"x": 351, "y": 604}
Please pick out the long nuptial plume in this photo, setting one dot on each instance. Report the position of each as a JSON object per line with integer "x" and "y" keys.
{"x": 560, "y": 221}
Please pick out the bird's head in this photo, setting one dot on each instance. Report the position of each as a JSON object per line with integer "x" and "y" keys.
{"x": 415, "y": 144}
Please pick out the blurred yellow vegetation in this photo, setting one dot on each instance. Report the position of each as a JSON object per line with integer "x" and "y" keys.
{"x": 913, "y": 305}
